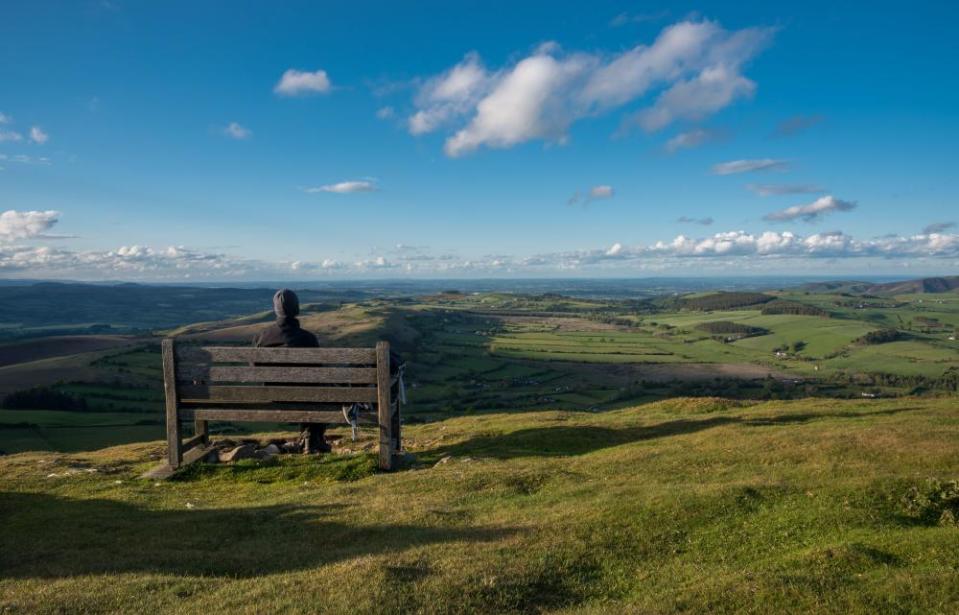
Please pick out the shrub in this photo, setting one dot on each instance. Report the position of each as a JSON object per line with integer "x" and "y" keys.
{"x": 725, "y": 301}
{"x": 731, "y": 329}
{"x": 43, "y": 398}
{"x": 882, "y": 336}
{"x": 780, "y": 306}
{"x": 935, "y": 502}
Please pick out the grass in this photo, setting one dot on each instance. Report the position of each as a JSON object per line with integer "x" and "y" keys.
{"x": 37, "y": 430}
{"x": 681, "y": 506}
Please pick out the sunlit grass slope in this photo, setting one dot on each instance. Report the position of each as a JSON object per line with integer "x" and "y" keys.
{"x": 687, "y": 505}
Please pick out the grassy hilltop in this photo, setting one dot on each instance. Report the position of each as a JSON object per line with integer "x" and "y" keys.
{"x": 685, "y": 505}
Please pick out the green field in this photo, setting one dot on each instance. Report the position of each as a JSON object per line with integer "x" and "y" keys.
{"x": 681, "y": 506}
{"x": 31, "y": 430}
{"x": 506, "y": 352}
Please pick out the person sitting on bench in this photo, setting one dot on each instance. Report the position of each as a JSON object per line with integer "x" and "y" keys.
{"x": 286, "y": 332}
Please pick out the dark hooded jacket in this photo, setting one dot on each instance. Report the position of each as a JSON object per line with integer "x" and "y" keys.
{"x": 286, "y": 331}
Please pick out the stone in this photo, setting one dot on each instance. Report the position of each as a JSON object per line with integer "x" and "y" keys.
{"x": 443, "y": 461}
{"x": 266, "y": 453}
{"x": 244, "y": 451}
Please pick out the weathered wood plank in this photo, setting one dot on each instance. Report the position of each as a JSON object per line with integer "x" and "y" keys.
{"x": 174, "y": 451}
{"x": 383, "y": 405}
{"x": 274, "y": 415}
{"x": 201, "y": 430}
{"x": 267, "y": 405}
{"x": 236, "y": 354}
{"x": 191, "y": 394}
{"x": 192, "y": 442}
{"x": 196, "y": 453}
{"x": 272, "y": 374}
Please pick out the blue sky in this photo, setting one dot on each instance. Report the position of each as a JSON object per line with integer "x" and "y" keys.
{"x": 227, "y": 140}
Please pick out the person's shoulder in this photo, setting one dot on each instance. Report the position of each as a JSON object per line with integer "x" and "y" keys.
{"x": 308, "y": 339}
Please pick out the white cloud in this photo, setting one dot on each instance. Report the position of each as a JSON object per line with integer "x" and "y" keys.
{"x": 236, "y": 131}
{"x": 37, "y": 135}
{"x": 713, "y": 89}
{"x": 543, "y": 94}
{"x": 25, "y": 159}
{"x": 765, "y": 245}
{"x": 4, "y": 118}
{"x": 295, "y": 83}
{"x": 812, "y": 211}
{"x": 385, "y": 113}
{"x": 690, "y": 139}
{"x": 10, "y": 135}
{"x": 749, "y": 166}
{"x": 126, "y": 262}
{"x": 596, "y": 193}
{"x": 744, "y": 251}
{"x": 16, "y": 225}
{"x": 449, "y": 95}
{"x": 363, "y": 185}
{"x": 778, "y": 189}
{"x": 521, "y": 107}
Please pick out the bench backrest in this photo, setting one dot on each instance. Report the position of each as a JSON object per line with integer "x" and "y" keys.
{"x": 223, "y": 374}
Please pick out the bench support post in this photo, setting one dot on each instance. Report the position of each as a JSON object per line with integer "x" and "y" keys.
{"x": 174, "y": 446}
{"x": 201, "y": 430}
{"x": 383, "y": 406}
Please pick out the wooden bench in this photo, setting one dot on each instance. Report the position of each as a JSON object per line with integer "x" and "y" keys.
{"x": 274, "y": 385}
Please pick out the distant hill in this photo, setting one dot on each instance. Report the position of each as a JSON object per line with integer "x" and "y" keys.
{"x": 923, "y": 285}
{"x": 51, "y": 308}
{"x": 905, "y": 287}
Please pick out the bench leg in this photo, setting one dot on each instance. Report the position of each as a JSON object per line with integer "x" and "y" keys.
{"x": 395, "y": 424}
{"x": 201, "y": 428}
{"x": 174, "y": 445}
{"x": 384, "y": 409}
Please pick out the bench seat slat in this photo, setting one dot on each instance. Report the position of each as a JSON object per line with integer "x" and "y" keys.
{"x": 272, "y": 415}
{"x": 193, "y": 394}
{"x": 307, "y": 356}
{"x": 188, "y": 374}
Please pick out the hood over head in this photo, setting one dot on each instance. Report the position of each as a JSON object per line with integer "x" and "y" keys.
{"x": 286, "y": 304}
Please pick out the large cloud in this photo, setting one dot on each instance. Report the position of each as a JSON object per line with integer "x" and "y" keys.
{"x": 126, "y": 262}
{"x": 16, "y": 225}
{"x": 696, "y": 64}
{"x": 812, "y": 211}
{"x": 450, "y": 94}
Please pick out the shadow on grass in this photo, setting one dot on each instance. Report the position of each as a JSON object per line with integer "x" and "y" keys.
{"x": 50, "y": 537}
{"x": 578, "y": 440}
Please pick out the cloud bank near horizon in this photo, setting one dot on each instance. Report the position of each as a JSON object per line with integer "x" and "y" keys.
{"x": 744, "y": 250}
